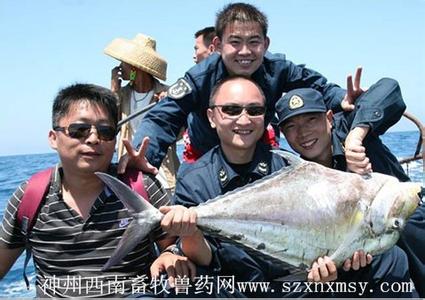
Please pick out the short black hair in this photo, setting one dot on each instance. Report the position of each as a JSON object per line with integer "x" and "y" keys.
{"x": 78, "y": 92}
{"x": 208, "y": 33}
{"x": 241, "y": 12}
{"x": 217, "y": 87}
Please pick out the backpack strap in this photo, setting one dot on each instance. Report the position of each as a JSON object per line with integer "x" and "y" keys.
{"x": 37, "y": 187}
{"x": 134, "y": 179}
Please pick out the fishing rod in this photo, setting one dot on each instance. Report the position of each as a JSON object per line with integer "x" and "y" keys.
{"x": 135, "y": 114}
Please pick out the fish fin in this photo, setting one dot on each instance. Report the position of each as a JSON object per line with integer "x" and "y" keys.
{"x": 131, "y": 237}
{"x": 291, "y": 158}
{"x": 134, "y": 202}
{"x": 146, "y": 217}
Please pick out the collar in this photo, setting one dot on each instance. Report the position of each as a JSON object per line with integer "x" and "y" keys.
{"x": 260, "y": 166}
{"x": 338, "y": 153}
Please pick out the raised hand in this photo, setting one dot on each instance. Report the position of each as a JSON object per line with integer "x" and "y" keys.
{"x": 116, "y": 79}
{"x": 353, "y": 91}
{"x": 136, "y": 159}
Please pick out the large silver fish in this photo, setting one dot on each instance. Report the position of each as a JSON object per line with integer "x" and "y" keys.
{"x": 294, "y": 216}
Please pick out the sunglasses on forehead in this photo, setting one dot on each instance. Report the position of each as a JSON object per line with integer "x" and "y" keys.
{"x": 234, "y": 110}
{"x": 82, "y": 130}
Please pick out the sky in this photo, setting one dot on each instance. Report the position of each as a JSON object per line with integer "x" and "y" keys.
{"x": 49, "y": 44}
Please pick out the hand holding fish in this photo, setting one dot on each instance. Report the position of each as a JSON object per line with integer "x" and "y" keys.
{"x": 178, "y": 220}
{"x": 181, "y": 221}
{"x": 324, "y": 269}
{"x": 136, "y": 159}
{"x": 174, "y": 265}
{"x": 359, "y": 260}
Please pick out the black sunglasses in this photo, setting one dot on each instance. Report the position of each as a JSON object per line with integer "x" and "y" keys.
{"x": 233, "y": 110}
{"x": 82, "y": 130}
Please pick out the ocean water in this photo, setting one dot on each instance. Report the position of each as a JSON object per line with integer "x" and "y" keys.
{"x": 16, "y": 169}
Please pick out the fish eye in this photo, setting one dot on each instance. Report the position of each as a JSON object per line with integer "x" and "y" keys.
{"x": 396, "y": 224}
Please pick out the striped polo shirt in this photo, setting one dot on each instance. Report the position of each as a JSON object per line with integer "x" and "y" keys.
{"x": 69, "y": 251}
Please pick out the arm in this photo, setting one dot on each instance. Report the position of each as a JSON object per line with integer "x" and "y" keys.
{"x": 376, "y": 110}
{"x": 380, "y": 107}
{"x": 8, "y": 258}
{"x": 171, "y": 263}
{"x": 162, "y": 124}
{"x": 12, "y": 242}
{"x": 116, "y": 79}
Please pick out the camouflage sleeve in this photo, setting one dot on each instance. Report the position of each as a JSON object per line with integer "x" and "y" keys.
{"x": 10, "y": 233}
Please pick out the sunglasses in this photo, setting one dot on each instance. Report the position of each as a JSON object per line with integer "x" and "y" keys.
{"x": 234, "y": 111}
{"x": 82, "y": 130}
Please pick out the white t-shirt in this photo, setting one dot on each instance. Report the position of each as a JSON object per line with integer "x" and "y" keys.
{"x": 139, "y": 101}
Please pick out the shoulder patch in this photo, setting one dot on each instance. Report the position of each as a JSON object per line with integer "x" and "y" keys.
{"x": 179, "y": 89}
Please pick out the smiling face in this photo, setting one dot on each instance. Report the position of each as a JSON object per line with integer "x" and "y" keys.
{"x": 238, "y": 134}
{"x": 83, "y": 155}
{"x": 242, "y": 47}
{"x": 309, "y": 135}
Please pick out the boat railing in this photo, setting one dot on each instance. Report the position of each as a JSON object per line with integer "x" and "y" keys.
{"x": 419, "y": 152}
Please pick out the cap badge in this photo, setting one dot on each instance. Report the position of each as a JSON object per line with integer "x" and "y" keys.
{"x": 295, "y": 102}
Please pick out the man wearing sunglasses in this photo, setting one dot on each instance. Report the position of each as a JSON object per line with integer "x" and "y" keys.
{"x": 80, "y": 222}
{"x": 318, "y": 135}
{"x": 241, "y": 45}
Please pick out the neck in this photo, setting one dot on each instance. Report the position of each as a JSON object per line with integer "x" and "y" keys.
{"x": 73, "y": 182}
{"x": 143, "y": 82}
{"x": 326, "y": 158}
{"x": 78, "y": 198}
{"x": 238, "y": 156}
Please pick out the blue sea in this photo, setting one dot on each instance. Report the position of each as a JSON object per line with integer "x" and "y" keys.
{"x": 16, "y": 169}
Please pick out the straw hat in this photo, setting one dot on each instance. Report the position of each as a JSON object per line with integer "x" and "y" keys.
{"x": 139, "y": 52}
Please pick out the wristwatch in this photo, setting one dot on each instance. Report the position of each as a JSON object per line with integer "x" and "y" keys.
{"x": 174, "y": 249}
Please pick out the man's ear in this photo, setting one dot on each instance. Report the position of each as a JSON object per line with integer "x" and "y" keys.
{"x": 211, "y": 48}
{"x": 210, "y": 115}
{"x": 330, "y": 117}
{"x": 217, "y": 44}
{"x": 53, "y": 139}
{"x": 267, "y": 43}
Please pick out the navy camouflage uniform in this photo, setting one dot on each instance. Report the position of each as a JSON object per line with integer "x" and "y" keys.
{"x": 190, "y": 96}
{"x": 412, "y": 239}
